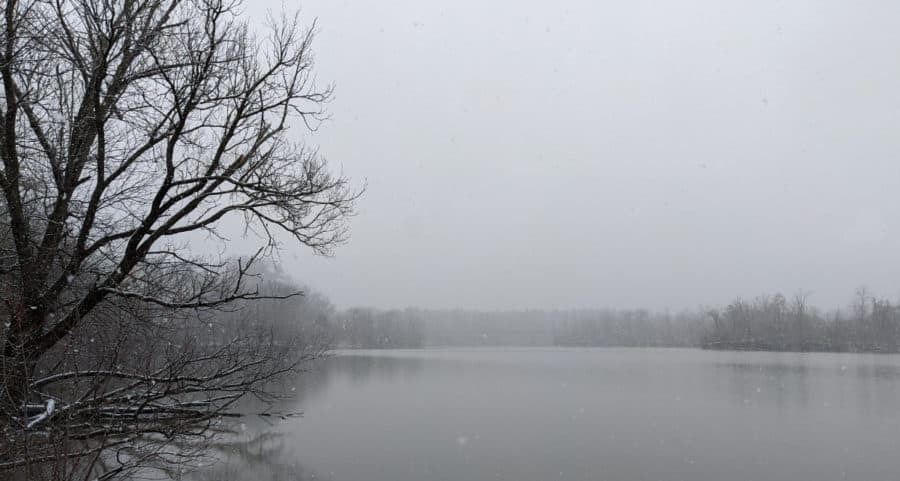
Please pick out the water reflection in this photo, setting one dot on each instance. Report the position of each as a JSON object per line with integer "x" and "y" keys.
{"x": 366, "y": 366}
{"x": 867, "y": 383}
{"x": 260, "y": 450}
{"x": 625, "y": 414}
{"x": 785, "y": 385}
{"x": 262, "y": 457}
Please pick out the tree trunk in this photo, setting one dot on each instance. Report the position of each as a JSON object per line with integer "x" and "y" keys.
{"x": 17, "y": 366}
{"x": 16, "y": 377}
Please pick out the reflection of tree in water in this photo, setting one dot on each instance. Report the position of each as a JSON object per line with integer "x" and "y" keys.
{"x": 259, "y": 451}
{"x": 799, "y": 381}
{"x": 785, "y": 384}
{"x": 262, "y": 457}
{"x": 876, "y": 386}
{"x": 364, "y": 368}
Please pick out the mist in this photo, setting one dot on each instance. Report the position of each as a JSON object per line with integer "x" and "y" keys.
{"x": 613, "y": 154}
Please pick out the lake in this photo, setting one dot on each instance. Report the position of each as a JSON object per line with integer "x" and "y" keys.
{"x": 580, "y": 414}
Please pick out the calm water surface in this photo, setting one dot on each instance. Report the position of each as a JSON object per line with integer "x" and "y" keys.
{"x": 581, "y": 414}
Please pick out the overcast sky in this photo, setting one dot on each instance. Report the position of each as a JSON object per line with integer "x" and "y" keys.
{"x": 584, "y": 153}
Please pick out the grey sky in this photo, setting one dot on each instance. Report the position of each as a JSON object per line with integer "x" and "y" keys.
{"x": 581, "y": 153}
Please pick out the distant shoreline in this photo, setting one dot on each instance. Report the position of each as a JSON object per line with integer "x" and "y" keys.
{"x": 719, "y": 348}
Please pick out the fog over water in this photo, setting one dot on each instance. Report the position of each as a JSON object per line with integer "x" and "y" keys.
{"x": 580, "y": 154}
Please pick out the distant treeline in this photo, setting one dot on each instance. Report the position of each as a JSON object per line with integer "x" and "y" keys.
{"x": 413, "y": 328}
{"x": 313, "y": 319}
{"x": 775, "y": 323}
{"x": 584, "y": 327}
{"x": 378, "y": 329}
{"x": 768, "y": 322}
{"x": 367, "y": 328}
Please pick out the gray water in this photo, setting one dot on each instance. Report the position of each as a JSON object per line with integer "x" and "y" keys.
{"x": 582, "y": 414}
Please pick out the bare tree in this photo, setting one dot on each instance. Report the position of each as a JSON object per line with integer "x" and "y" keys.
{"x": 799, "y": 314}
{"x": 127, "y": 126}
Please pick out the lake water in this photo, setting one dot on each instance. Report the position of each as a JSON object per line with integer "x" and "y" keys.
{"x": 581, "y": 414}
